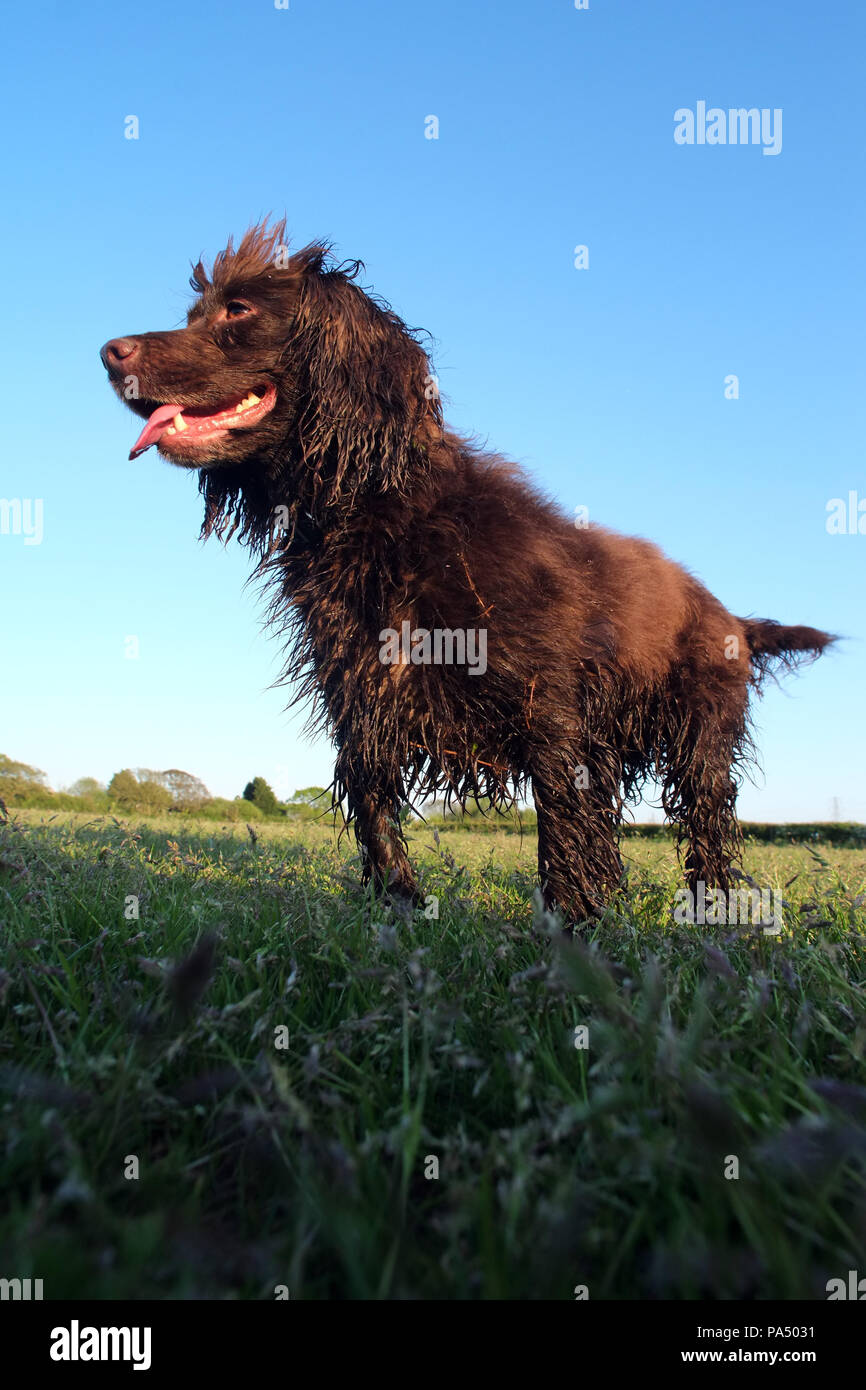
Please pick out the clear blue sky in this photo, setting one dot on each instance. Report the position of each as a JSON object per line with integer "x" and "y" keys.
{"x": 556, "y": 128}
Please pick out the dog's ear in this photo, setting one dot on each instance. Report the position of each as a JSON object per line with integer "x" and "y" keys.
{"x": 368, "y": 387}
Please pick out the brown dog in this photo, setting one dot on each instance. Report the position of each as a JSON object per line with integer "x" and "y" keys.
{"x": 458, "y": 631}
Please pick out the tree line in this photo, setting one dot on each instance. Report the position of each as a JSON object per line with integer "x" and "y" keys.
{"x": 145, "y": 792}
{"x": 149, "y": 792}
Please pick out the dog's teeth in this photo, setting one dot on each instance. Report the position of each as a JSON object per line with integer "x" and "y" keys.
{"x": 179, "y": 423}
{"x": 253, "y": 399}
{"x": 239, "y": 408}
{"x": 171, "y": 430}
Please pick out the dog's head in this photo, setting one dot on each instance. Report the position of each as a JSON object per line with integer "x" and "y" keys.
{"x": 282, "y": 356}
{"x": 216, "y": 391}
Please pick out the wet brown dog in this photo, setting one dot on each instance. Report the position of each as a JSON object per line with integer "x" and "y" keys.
{"x": 456, "y": 629}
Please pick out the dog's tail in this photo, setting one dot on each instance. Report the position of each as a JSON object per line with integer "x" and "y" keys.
{"x": 771, "y": 642}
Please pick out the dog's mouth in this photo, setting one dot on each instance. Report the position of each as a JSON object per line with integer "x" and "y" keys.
{"x": 188, "y": 426}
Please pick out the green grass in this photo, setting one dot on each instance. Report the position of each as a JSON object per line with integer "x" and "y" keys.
{"x": 453, "y": 1038}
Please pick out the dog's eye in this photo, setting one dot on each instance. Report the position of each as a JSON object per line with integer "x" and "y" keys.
{"x": 236, "y": 308}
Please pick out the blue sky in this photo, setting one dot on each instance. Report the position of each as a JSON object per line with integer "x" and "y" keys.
{"x": 608, "y": 384}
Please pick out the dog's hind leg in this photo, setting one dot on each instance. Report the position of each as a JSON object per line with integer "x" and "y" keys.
{"x": 705, "y": 738}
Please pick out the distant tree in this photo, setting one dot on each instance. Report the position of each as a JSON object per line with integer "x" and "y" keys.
{"x": 23, "y": 785}
{"x": 10, "y": 768}
{"x": 145, "y": 774}
{"x": 134, "y": 795}
{"x": 308, "y": 795}
{"x": 260, "y": 794}
{"x": 86, "y": 786}
{"x": 186, "y": 789}
{"x": 123, "y": 788}
{"x": 152, "y": 797}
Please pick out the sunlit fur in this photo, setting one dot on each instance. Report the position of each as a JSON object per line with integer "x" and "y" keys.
{"x": 363, "y": 511}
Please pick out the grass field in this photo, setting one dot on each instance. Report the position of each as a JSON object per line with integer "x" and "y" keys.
{"x": 245, "y": 1087}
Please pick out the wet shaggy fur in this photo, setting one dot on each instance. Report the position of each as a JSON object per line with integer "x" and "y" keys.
{"x": 607, "y": 663}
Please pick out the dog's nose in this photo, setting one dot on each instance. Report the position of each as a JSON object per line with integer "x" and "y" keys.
{"x": 117, "y": 350}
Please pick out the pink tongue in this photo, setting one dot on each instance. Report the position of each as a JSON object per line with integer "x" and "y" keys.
{"x": 155, "y": 428}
